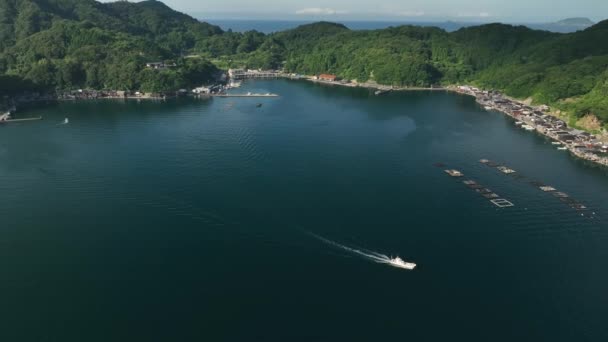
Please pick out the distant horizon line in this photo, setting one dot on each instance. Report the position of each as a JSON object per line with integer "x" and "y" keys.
{"x": 469, "y": 20}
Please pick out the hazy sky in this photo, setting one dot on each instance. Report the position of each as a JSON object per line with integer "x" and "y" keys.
{"x": 482, "y": 10}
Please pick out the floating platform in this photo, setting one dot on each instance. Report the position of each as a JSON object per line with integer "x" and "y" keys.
{"x": 454, "y": 173}
{"x": 502, "y": 203}
{"x": 483, "y": 191}
{"x": 505, "y": 170}
{"x": 578, "y": 206}
{"x": 560, "y": 194}
{"x": 480, "y": 189}
{"x": 563, "y": 197}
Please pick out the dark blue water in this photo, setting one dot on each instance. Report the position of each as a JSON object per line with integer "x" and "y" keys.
{"x": 190, "y": 220}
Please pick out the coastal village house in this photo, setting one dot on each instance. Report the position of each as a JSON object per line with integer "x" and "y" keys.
{"x": 328, "y": 77}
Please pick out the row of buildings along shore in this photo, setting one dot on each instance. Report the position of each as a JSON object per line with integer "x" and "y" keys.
{"x": 580, "y": 143}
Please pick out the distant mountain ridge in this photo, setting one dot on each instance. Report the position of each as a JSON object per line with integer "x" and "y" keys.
{"x": 585, "y": 22}
{"x": 272, "y": 26}
{"x": 565, "y": 26}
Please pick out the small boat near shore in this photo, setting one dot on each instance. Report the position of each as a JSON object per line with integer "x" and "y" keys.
{"x": 562, "y": 148}
{"x": 556, "y": 143}
{"x": 528, "y": 127}
{"x": 233, "y": 84}
{"x": 382, "y": 92}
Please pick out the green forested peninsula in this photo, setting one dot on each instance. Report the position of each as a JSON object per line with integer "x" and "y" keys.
{"x": 63, "y": 44}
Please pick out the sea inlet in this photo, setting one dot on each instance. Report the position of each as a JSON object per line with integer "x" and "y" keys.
{"x": 221, "y": 220}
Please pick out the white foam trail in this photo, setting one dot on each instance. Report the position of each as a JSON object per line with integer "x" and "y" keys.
{"x": 369, "y": 255}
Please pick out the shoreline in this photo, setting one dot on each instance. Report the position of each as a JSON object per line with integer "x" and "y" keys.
{"x": 368, "y": 85}
{"x": 581, "y": 144}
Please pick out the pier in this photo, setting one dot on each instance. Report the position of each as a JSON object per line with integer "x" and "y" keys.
{"x": 240, "y": 74}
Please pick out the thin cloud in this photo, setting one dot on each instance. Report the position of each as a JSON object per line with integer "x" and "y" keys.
{"x": 319, "y": 11}
{"x": 411, "y": 13}
{"x": 474, "y": 15}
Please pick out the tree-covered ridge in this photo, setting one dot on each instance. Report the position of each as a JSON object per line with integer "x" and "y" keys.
{"x": 83, "y": 43}
{"x": 565, "y": 70}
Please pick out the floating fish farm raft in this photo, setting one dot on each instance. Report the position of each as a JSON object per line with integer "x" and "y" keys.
{"x": 480, "y": 189}
{"x": 454, "y": 173}
{"x": 563, "y": 197}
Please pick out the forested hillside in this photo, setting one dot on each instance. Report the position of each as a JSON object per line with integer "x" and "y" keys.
{"x": 569, "y": 71}
{"x": 82, "y": 43}
{"x": 62, "y": 44}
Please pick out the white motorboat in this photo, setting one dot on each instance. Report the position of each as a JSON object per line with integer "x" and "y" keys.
{"x": 398, "y": 262}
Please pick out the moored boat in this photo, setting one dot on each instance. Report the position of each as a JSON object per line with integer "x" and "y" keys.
{"x": 528, "y": 127}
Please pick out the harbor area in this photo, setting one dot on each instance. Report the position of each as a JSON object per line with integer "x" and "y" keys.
{"x": 539, "y": 119}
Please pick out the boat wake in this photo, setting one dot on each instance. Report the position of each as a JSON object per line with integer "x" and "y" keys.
{"x": 369, "y": 255}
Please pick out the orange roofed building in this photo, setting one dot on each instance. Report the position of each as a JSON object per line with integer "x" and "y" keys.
{"x": 327, "y": 77}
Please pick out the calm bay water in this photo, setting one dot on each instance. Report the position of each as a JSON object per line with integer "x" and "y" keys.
{"x": 190, "y": 220}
